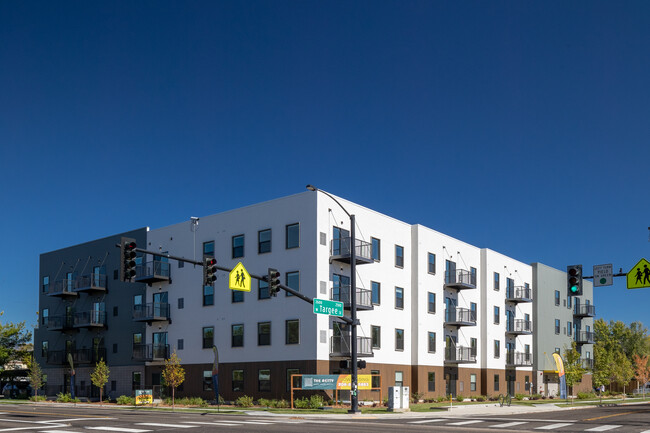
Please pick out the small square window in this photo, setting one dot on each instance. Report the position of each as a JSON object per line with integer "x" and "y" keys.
{"x": 237, "y": 296}
{"x": 208, "y": 295}
{"x": 181, "y": 264}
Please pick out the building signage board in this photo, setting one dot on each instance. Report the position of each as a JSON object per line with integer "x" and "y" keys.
{"x": 335, "y": 381}
{"x": 332, "y": 308}
{"x": 239, "y": 279}
{"x": 143, "y": 396}
{"x": 603, "y": 275}
{"x": 639, "y": 276}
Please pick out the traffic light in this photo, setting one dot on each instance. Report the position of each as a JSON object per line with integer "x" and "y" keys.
{"x": 361, "y": 363}
{"x": 127, "y": 258}
{"x": 273, "y": 279}
{"x": 209, "y": 271}
{"x": 574, "y": 280}
{"x": 344, "y": 364}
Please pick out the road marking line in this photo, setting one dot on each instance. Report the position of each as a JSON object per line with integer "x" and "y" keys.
{"x": 126, "y": 430}
{"x": 474, "y": 421}
{"x": 252, "y": 422}
{"x": 216, "y": 423}
{"x": 553, "y": 426}
{"x": 608, "y": 416}
{"x": 154, "y": 424}
{"x": 427, "y": 420}
{"x": 508, "y": 424}
{"x": 603, "y": 428}
{"x": 56, "y": 431}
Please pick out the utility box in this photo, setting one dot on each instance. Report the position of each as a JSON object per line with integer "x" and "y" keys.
{"x": 406, "y": 397}
{"x": 398, "y": 398}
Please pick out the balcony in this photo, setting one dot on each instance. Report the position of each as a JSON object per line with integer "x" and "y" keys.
{"x": 342, "y": 294}
{"x": 63, "y": 289}
{"x": 519, "y": 294}
{"x": 340, "y": 347}
{"x": 584, "y": 337}
{"x": 152, "y": 272}
{"x": 92, "y": 319}
{"x": 340, "y": 251}
{"x": 152, "y": 312}
{"x": 587, "y": 363}
{"x": 584, "y": 310}
{"x": 150, "y": 352}
{"x": 519, "y": 327}
{"x": 89, "y": 356}
{"x": 460, "y": 280}
{"x": 91, "y": 283}
{"x": 519, "y": 359}
{"x": 57, "y": 357}
{"x": 61, "y": 323}
{"x": 460, "y": 317}
{"x": 460, "y": 355}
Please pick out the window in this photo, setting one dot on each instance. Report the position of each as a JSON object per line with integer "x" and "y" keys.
{"x": 237, "y": 296}
{"x": 431, "y": 263}
{"x": 264, "y": 241}
{"x": 293, "y": 281}
{"x": 376, "y": 292}
{"x": 450, "y": 271}
{"x": 237, "y": 335}
{"x": 432, "y": 342}
{"x": 496, "y": 382}
{"x": 44, "y": 346}
{"x": 264, "y": 380}
{"x": 137, "y": 338}
{"x": 510, "y": 285}
{"x": 114, "y": 347}
{"x": 431, "y": 381}
{"x": 568, "y": 302}
{"x": 208, "y": 249}
{"x": 568, "y": 328}
{"x": 472, "y": 272}
{"x": 237, "y": 246}
{"x": 113, "y": 385}
{"x": 497, "y": 348}
{"x": 263, "y": 290}
{"x": 376, "y": 249}
{"x": 557, "y": 297}
{"x": 472, "y": 345}
{"x": 181, "y": 303}
{"x": 264, "y": 334}
{"x": 399, "y": 339}
{"x": 238, "y": 380}
{"x": 180, "y": 344}
{"x": 399, "y": 378}
{"x": 136, "y": 378}
{"x": 45, "y": 316}
{"x": 557, "y": 326}
{"x": 207, "y": 380}
{"x": 181, "y": 265}
{"x": 115, "y": 311}
{"x": 292, "y": 331}
{"x": 399, "y": 298}
{"x": 527, "y": 383}
{"x": 497, "y": 284}
{"x": 374, "y": 379}
{"x": 296, "y": 380}
{"x": 340, "y": 288}
{"x": 472, "y": 309}
{"x": 376, "y": 336}
{"x": 472, "y": 382}
{"x": 497, "y": 315}
{"x": 432, "y": 303}
{"x": 527, "y": 348}
{"x": 399, "y": 256}
{"x": 46, "y": 284}
{"x": 293, "y": 236}
{"x": 208, "y": 295}
{"x": 208, "y": 337}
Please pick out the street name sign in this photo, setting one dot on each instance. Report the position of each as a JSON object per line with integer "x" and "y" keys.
{"x": 603, "y": 275}
{"x": 239, "y": 279}
{"x": 324, "y": 306}
{"x": 639, "y": 276}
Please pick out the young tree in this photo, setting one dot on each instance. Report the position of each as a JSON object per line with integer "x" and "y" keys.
{"x": 622, "y": 370}
{"x": 573, "y": 369}
{"x": 99, "y": 376}
{"x": 35, "y": 376}
{"x": 13, "y": 341}
{"x": 642, "y": 370}
{"x": 173, "y": 374}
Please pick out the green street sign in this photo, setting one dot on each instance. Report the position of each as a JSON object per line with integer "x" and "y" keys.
{"x": 332, "y": 308}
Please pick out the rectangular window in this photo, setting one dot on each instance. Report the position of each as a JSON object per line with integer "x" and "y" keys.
{"x": 114, "y": 347}
{"x": 399, "y": 298}
{"x": 264, "y": 334}
{"x": 264, "y": 241}
{"x": 208, "y": 249}
{"x": 472, "y": 382}
{"x": 472, "y": 345}
{"x": 497, "y": 284}
{"x": 431, "y": 381}
{"x": 374, "y": 379}
{"x": 296, "y": 380}
{"x": 208, "y": 295}
{"x": 180, "y": 344}
{"x": 376, "y": 292}
{"x": 208, "y": 337}
{"x": 568, "y": 302}
{"x": 510, "y": 285}
{"x": 431, "y": 263}
{"x": 113, "y": 385}
{"x": 237, "y": 335}
{"x": 496, "y": 382}
{"x": 264, "y": 381}
{"x": 263, "y": 290}
{"x": 237, "y": 296}
{"x": 45, "y": 316}
{"x": 432, "y": 303}
{"x": 293, "y": 236}
{"x": 115, "y": 311}
{"x": 376, "y": 336}
{"x": 376, "y": 249}
{"x": 497, "y": 348}
{"x": 399, "y": 339}
{"x": 399, "y": 378}
{"x": 238, "y": 380}
{"x": 181, "y": 303}
{"x": 432, "y": 342}
{"x": 181, "y": 265}
{"x": 44, "y": 346}
{"x": 293, "y": 281}
{"x": 237, "y": 246}
{"x": 568, "y": 328}
{"x": 207, "y": 380}
{"x": 557, "y": 297}
{"x": 399, "y": 256}
{"x": 472, "y": 272}
{"x": 557, "y": 326}
{"x": 292, "y": 331}
{"x": 136, "y": 378}
{"x": 497, "y": 315}
{"x": 46, "y": 284}
{"x": 472, "y": 309}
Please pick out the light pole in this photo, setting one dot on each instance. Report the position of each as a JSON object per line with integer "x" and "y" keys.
{"x": 354, "y": 398}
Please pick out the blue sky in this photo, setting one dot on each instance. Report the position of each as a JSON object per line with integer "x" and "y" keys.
{"x": 518, "y": 126}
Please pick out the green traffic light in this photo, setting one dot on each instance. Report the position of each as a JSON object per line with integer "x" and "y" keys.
{"x": 574, "y": 289}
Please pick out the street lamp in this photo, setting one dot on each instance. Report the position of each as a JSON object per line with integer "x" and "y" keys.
{"x": 354, "y": 398}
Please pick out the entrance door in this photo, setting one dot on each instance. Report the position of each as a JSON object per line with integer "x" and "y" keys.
{"x": 340, "y": 241}
{"x": 451, "y": 378}
{"x": 160, "y": 304}
{"x": 510, "y": 382}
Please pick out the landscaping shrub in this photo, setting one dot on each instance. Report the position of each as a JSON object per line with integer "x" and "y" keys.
{"x": 586, "y": 395}
{"x": 126, "y": 400}
{"x": 280, "y": 404}
{"x": 66, "y": 398}
{"x": 264, "y": 402}
{"x": 536, "y": 397}
{"x": 416, "y": 396}
{"x": 442, "y": 399}
{"x": 316, "y": 401}
{"x": 38, "y": 398}
{"x": 244, "y": 401}
{"x": 301, "y": 403}
{"x": 519, "y": 397}
{"x": 481, "y": 397}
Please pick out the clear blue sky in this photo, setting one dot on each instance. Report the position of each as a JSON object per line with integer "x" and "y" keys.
{"x": 519, "y": 126}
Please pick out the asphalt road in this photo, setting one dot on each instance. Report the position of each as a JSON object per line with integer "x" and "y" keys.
{"x": 57, "y": 418}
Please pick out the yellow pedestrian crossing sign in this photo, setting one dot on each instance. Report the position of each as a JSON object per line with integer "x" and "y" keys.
{"x": 639, "y": 276}
{"x": 239, "y": 279}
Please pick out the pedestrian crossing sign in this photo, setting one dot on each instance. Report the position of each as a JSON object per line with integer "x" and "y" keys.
{"x": 639, "y": 276}
{"x": 239, "y": 279}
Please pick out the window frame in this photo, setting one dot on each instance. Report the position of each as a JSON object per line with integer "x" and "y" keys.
{"x": 286, "y": 282}
{"x": 237, "y": 297}
{"x": 431, "y": 303}
{"x": 208, "y": 295}
{"x": 496, "y": 282}
{"x": 261, "y": 243}
{"x": 557, "y": 298}
{"x": 287, "y": 324}
{"x": 376, "y": 328}
{"x": 375, "y": 252}
{"x": 235, "y": 248}
{"x": 497, "y": 349}
{"x": 209, "y": 338}
{"x": 430, "y": 340}
{"x": 260, "y": 334}
{"x": 236, "y": 338}
{"x": 267, "y": 387}
{"x": 208, "y": 253}
{"x": 372, "y": 292}
{"x": 288, "y": 227}
{"x": 399, "y": 299}
{"x": 239, "y": 382}
{"x": 399, "y": 332}
{"x": 497, "y": 315}
{"x": 431, "y": 381}
{"x": 399, "y": 259}
{"x": 431, "y": 264}
{"x": 263, "y": 290}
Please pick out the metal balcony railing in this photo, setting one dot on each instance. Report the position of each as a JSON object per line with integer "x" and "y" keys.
{"x": 586, "y": 310}
{"x": 150, "y": 352}
{"x": 63, "y": 288}
{"x": 90, "y": 319}
{"x": 340, "y": 250}
{"x": 584, "y": 337}
{"x": 91, "y": 283}
{"x": 340, "y": 346}
{"x": 60, "y": 323}
{"x": 460, "y": 355}
{"x": 460, "y": 280}
{"x": 153, "y": 271}
{"x": 151, "y": 312}
{"x": 587, "y": 363}
{"x": 519, "y": 294}
{"x": 460, "y": 317}
{"x": 342, "y": 294}
{"x": 89, "y": 356}
{"x": 57, "y": 357}
{"x": 519, "y": 327}
{"x": 521, "y": 359}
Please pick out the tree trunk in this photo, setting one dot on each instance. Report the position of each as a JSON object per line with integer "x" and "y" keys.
{"x": 173, "y": 396}
{"x": 100, "y": 395}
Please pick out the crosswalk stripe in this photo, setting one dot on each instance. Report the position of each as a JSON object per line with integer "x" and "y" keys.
{"x": 252, "y": 422}
{"x": 603, "y": 427}
{"x": 154, "y": 424}
{"x": 216, "y": 423}
{"x": 56, "y": 431}
{"x": 465, "y": 422}
{"x": 120, "y": 429}
{"x": 426, "y": 421}
{"x": 553, "y": 426}
{"x": 508, "y": 424}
